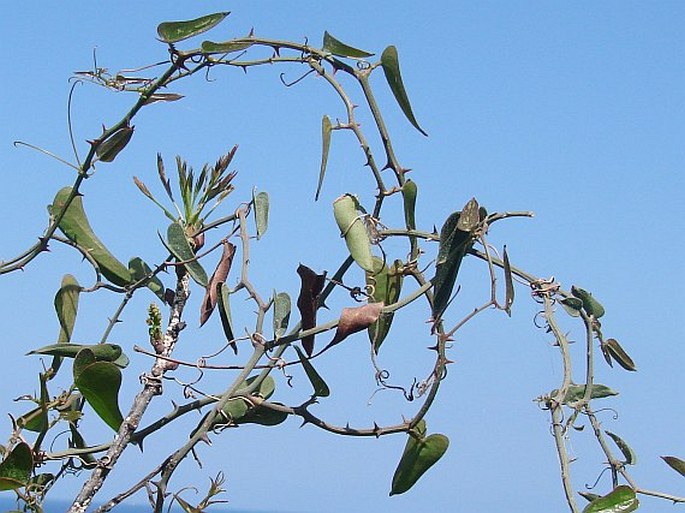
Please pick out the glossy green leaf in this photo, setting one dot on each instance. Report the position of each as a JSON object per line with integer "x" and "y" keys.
{"x": 261, "y": 213}
{"x": 618, "y": 353}
{"x": 508, "y": 283}
{"x": 15, "y": 469}
{"x": 101, "y": 352}
{"x": 77, "y": 229}
{"x": 630, "y": 458}
{"x": 621, "y": 500}
{"x": 337, "y": 47}
{"x": 352, "y": 228}
{"x": 572, "y": 305}
{"x": 225, "y": 47}
{"x": 417, "y": 458}
{"x": 391, "y": 67}
{"x": 263, "y": 416}
{"x": 237, "y": 408}
{"x": 577, "y": 392}
{"x": 108, "y": 149}
{"x": 139, "y": 270}
{"x": 454, "y": 244}
{"x": 386, "y": 285}
{"x": 175, "y": 31}
{"x": 282, "y": 309}
{"x": 326, "y": 129}
{"x": 225, "y": 314}
{"x": 35, "y": 420}
{"x": 320, "y": 387}
{"x": 590, "y": 304}
{"x": 675, "y": 463}
{"x": 180, "y": 247}
{"x": 99, "y": 382}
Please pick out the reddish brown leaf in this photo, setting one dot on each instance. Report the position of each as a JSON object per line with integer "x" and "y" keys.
{"x": 356, "y": 319}
{"x": 308, "y": 302}
{"x": 218, "y": 277}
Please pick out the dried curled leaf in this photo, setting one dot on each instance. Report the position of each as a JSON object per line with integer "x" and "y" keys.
{"x": 218, "y": 277}
{"x": 308, "y": 302}
{"x": 353, "y": 320}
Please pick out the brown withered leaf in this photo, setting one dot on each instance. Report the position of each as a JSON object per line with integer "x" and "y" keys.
{"x": 308, "y": 302}
{"x": 218, "y": 276}
{"x": 353, "y": 320}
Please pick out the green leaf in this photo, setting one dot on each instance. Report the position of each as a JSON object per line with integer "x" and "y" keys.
{"x": 417, "y": 458}
{"x": 66, "y": 306}
{"x": 320, "y": 387}
{"x": 409, "y": 192}
{"x": 263, "y": 416}
{"x": 454, "y": 244}
{"x": 225, "y": 314}
{"x": 282, "y": 309}
{"x": 628, "y": 453}
{"x": 15, "y": 469}
{"x": 99, "y": 382}
{"x": 326, "y": 129}
{"x": 572, "y": 305}
{"x": 391, "y": 68}
{"x": 77, "y": 229}
{"x": 589, "y": 496}
{"x": 621, "y": 500}
{"x": 386, "y": 285}
{"x": 618, "y": 353}
{"x": 336, "y": 47}
{"x": 261, "y": 212}
{"x": 108, "y": 149}
{"x": 180, "y": 247}
{"x": 352, "y": 228}
{"x": 590, "y": 304}
{"x": 509, "y": 283}
{"x": 225, "y": 47}
{"x": 175, "y": 31}
{"x": 675, "y": 463}
{"x": 101, "y": 352}
{"x": 139, "y": 270}
{"x": 577, "y": 392}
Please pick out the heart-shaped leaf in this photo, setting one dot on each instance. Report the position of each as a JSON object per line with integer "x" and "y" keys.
{"x": 15, "y": 469}
{"x": 621, "y": 500}
{"x": 76, "y": 228}
{"x": 99, "y": 382}
{"x": 419, "y": 455}
{"x": 175, "y": 31}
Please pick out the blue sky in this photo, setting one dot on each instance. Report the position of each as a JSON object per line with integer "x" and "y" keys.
{"x": 575, "y": 111}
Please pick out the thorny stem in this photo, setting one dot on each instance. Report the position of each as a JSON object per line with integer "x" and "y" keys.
{"x": 151, "y": 388}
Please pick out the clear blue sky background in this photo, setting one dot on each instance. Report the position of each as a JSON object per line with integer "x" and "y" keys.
{"x": 575, "y": 111}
